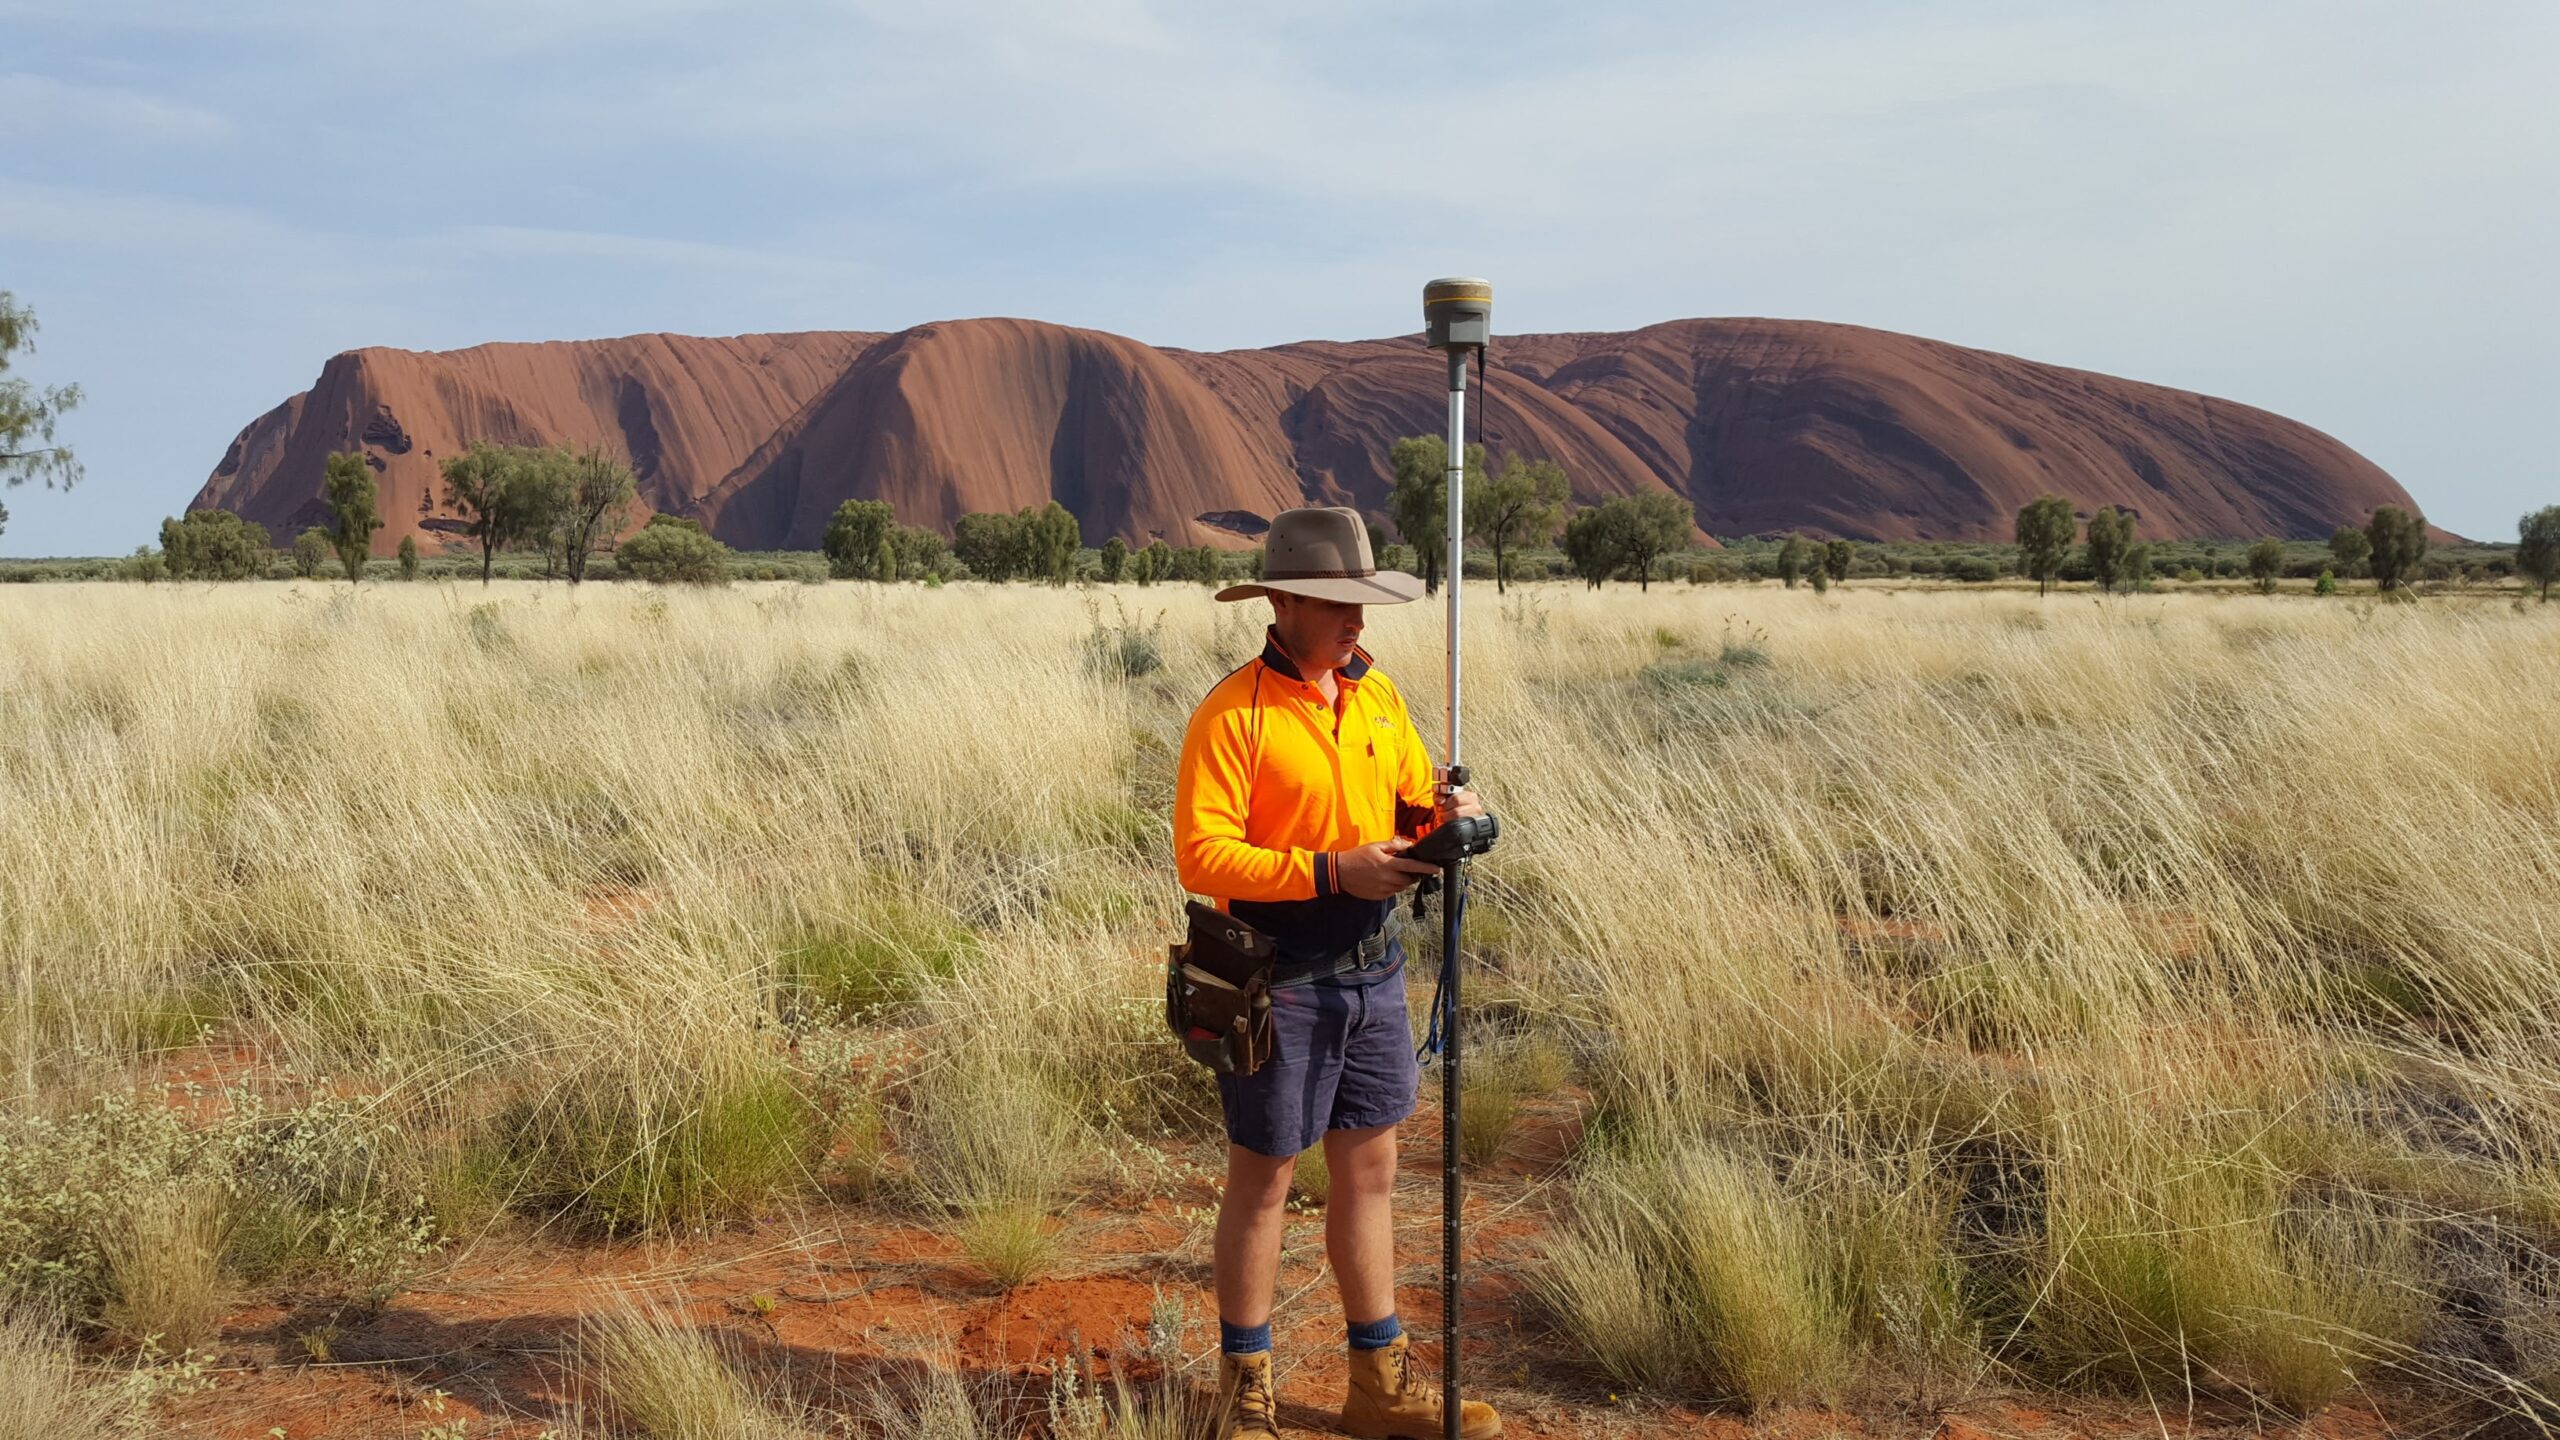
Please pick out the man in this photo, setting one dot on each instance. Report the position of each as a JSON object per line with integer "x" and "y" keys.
{"x": 1302, "y": 781}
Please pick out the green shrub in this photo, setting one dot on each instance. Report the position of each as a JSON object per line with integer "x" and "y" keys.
{"x": 300, "y": 1192}
{"x": 673, "y": 551}
{"x": 310, "y": 552}
{"x": 213, "y": 545}
{"x": 145, "y": 566}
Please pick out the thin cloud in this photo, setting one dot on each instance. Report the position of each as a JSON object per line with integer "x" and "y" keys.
{"x": 35, "y": 108}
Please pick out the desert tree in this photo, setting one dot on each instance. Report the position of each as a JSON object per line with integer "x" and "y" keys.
{"x": 1519, "y": 507}
{"x": 2399, "y": 540}
{"x": 27, "y": 414}
{"x": 1591, "y": 547}
{"x": 2045, "y": 528}
{"x": 1115, "y": 559}
{"x": 987, "y": 544}
{"x": 852, "y": 543}
{"x": 2137, "y": 565}
{"x": 2266, "y": 564}
{"x": 2110, "y": 546}
{"x": 347, "y": 484}
{"x": 2350, "y": 548}
{"x": 310, "y": 552}
{"x": 1198, "y": 564}
{"x": 1837, "y": 557}
{"x": 1648, "y": 527}
{"x": 212, "y": 545}
{"x": 922, "y": 554}
{"x": 408, "y": 557}
{"x": 2538, "y": 549}
{"x": 1419, "y": 502}
{"x": 1791, "y": 560}
{"x": 590, "y": 498}
{"x": 1045, "y": 543}
{"x": 484, "y": 485}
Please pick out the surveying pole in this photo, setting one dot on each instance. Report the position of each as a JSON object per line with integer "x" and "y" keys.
{"x": 1458, "y": 316}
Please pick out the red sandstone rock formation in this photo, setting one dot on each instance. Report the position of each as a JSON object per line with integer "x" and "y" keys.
{"x": 1765, "y": 425}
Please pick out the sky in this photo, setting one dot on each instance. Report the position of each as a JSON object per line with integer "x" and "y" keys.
{"x": 2345, "y": 212}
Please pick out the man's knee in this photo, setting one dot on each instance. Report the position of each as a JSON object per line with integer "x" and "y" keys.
{"x": 1362, "y": 1161}
{"x": 1256, "y": 1181}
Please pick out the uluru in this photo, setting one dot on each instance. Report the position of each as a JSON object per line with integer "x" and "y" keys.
{"x": 1763, "y": 425}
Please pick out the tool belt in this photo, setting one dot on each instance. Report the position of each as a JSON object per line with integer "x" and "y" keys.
{"x": 1217, "y": 991}
{"x": 1218, "y": 984}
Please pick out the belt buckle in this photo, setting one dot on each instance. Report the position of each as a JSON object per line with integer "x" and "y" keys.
{"x": 1361, "y": 957}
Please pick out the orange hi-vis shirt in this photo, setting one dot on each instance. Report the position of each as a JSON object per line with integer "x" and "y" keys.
{"x": 1275, "y": 781}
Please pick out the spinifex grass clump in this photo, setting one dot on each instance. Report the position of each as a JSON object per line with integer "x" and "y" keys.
{"x": 664, "y": 1150}
{"x": 667, "y": 1379}
{"x": 163, "y": 1261}
{"x": 1695, "y": 1268}
{"x": 46, "y": 1393}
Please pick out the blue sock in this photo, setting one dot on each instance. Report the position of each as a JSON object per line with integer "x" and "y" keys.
{"x": 1244, "y": 1339}
{"x": 1374, "y": 1334}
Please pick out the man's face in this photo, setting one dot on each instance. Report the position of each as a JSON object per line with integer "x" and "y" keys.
{"x": 1317, "y": 633}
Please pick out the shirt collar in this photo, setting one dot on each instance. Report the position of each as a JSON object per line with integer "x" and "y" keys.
{"x": 1277, "y": 659}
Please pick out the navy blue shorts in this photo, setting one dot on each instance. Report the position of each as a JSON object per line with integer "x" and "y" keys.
{"x": 1343, "y": 1061}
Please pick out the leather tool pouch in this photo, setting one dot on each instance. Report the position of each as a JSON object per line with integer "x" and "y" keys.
{"x": 1217, "y": 991}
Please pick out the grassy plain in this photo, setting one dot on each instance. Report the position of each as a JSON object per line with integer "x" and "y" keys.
{"x": 2142, "y": 996}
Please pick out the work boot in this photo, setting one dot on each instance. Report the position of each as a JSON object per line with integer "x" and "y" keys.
{"x": 1387, "y": 1403}
{"x": 1247, "y": 1407}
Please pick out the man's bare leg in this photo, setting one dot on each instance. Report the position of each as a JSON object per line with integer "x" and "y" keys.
{"x": 1252, "y": 1213}
{"x": 1359, "y": 1220}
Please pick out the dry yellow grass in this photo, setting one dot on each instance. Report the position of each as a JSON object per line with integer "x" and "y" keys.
{"x": 2145, "y": 991}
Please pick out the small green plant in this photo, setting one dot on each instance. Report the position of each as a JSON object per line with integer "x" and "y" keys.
{"x": 1084, "y": 1406}
{"x": 877, "y": 955}
{"x": 1311, "y": 1179}
{"x": 1011, "y": 1242}
{"x": 2327, "y": 584}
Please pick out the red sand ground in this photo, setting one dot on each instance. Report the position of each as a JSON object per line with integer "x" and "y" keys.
{"x": 842, "y": 1294}
{"x": 1765, "y": 425}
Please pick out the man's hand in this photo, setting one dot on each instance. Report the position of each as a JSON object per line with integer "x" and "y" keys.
{"x": 1458, "y": 803}
{"x": 1374, "y": 871}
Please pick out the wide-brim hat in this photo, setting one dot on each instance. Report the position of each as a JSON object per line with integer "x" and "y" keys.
{"x": 1323, "y": 552}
